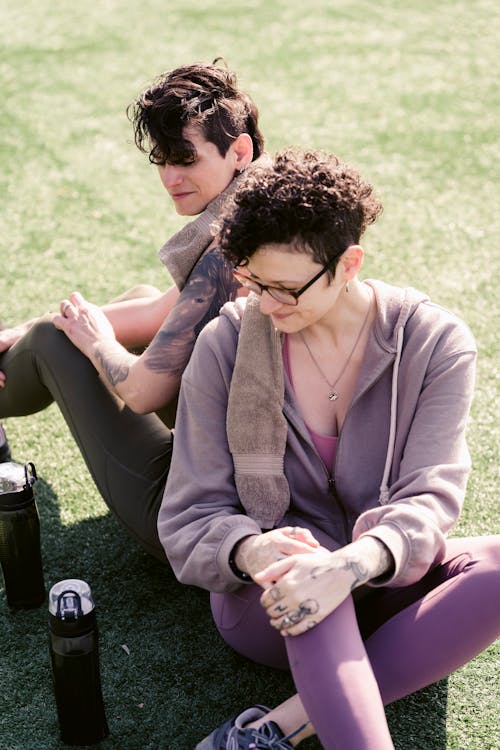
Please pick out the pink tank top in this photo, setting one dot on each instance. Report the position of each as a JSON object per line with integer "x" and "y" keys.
{"x": 324, "y": 444}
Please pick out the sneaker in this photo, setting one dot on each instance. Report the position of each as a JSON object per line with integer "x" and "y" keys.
{"x": 235, "y": 735}
{"x": 4, "y": 447}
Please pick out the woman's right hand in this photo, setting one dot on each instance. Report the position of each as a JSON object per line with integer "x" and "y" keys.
{"x": 9, "y": 337}
{"x": 256, "y": 552}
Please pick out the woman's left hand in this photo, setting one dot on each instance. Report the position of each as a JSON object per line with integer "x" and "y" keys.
{"x": 301, "y": 590}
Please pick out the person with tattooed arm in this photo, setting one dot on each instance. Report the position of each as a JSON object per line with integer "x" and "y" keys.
{"x": 320, "y": 462}
{"x": 201, "y": 131}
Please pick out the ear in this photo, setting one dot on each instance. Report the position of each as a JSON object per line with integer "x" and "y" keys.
{"x": 242, "y": 149}
{"x": 352, "y": 261}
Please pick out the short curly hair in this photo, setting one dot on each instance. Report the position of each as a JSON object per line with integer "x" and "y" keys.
{"x": 205, "y": 95}
{"x": 309, "y": 200}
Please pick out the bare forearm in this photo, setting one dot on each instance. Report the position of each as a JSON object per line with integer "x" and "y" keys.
{"x": 112, "y": 362}
{"x": 10, "y": 336}
{"x": 365, "y": 559}
{"x": 136, "y": 321}
{"x": 149, "y": 381}
{"x": 379, "y": 557}
{"x": 127, "y": 375}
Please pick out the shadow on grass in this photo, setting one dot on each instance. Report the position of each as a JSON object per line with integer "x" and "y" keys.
{"x": 167, "y": 676}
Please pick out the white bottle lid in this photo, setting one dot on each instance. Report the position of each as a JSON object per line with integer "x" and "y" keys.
{"x": 15, "y": 477}
{"x": 69, "y": 605}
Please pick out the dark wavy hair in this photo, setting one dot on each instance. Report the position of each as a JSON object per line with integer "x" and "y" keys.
{"x": 309, "y": 200}
{"x": 205, "y": 95}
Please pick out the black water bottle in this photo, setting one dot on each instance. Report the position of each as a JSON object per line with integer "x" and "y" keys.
{"x": 74, "y": 655}
{"x": 20, "y": 555}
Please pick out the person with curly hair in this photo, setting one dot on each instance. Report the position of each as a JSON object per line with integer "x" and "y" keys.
{"x": 115, "y": 371}
{"x": 320, "y": 461}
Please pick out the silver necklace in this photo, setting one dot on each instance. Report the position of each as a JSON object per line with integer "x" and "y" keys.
{"x": 332, "y": 393}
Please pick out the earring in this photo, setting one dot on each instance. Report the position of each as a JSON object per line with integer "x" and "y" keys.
{"x": 242, "y": 170}
{"x": 347, "y": 287}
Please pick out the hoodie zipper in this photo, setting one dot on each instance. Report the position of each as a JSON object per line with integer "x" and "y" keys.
{"x": 330, "y": 478}
{"x": 330, "y": 474}
{"x": 332, "y": 489}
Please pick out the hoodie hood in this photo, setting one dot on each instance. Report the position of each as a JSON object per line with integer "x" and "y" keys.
{"x": 395, "y": 306}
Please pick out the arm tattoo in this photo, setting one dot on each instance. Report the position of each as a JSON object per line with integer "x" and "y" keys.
{"x": 362, "y": 569}
{"x": 114, "y": 373}
{"x": 351, "y": 563}
{"x": 359, "y": 568}
{"x": 210, "y": 285}
{"x": 384, "y": 563}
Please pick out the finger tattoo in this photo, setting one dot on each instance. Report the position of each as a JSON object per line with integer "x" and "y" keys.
{"x": 275, "y": 593}
{"x": 309, "y": 607}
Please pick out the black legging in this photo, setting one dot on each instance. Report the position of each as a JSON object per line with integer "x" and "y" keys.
{"x": 127, "y": 454}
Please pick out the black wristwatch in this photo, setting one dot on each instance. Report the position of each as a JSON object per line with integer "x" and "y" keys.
{"x": 234, "y": 568}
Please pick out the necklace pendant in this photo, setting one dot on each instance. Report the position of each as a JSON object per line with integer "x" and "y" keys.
{"x": 332, "y": 396}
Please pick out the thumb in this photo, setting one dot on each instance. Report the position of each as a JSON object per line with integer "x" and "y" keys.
{"x": 275, "y": 570}
{"x": 301, "y": 535}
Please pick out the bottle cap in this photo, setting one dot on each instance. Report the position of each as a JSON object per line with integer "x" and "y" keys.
{"x": 70, "y": 599}
{"x": 16, "y": 477}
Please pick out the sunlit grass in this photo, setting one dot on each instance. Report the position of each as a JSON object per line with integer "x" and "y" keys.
{"x": 406, "y": 91}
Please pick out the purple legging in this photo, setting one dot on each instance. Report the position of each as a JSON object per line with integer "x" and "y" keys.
{"x": 379, "y": 648}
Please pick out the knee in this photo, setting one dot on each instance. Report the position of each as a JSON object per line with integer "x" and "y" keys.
{"x": 45, "y": 339}
{"x": 483, "y": 553}
{"x": 492, "y": 550}
{"x": 45, "y": 342}
{"x": 138, "y": 292}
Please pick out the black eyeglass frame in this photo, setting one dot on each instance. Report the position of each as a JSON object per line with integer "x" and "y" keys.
{"x": 258, "y": 288}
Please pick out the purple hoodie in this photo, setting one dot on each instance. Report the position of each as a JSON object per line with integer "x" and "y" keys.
{"x": 401, "y": 463}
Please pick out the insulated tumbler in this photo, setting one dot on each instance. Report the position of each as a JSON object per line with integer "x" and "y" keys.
{"x": 74, "y": 655}
{"x": 20, "y": 555}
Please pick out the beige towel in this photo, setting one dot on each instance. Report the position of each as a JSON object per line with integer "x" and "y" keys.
{"x": 256, "y": 426}
{"x": 182, "y": 251}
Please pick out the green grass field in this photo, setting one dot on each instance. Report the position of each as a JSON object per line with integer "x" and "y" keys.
{"x": 408, "y": 91}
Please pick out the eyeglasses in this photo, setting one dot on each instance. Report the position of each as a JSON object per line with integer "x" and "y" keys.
{"x": 286, "y": 296}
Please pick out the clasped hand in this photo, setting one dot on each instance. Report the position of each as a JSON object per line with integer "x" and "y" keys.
{"x": 301, "y": 590}
{"x": 258, "y": 551}
{"x": 9, "y": 337}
